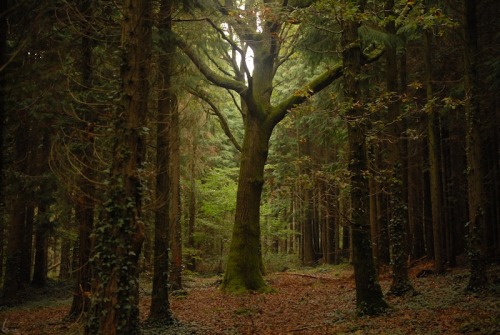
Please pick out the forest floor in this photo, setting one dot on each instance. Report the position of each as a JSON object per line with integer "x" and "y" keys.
{"x": 307, "y": 301}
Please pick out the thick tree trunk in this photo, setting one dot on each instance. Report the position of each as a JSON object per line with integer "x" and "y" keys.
{"x": 119, "y": 236}
{"x": 244, "y": 264}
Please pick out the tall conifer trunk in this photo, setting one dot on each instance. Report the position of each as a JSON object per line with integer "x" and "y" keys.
{"x": 84, "y": 204}
{"x": 435, "y": 189}
{"x": 160, "y": 305}
{"x": 3, "y": 60}
{"x": 17, "y": 213}
{"x": 175, "y": 200}
{"x": 399, "y": 214}
{"x": 120, "y": 234}
{"x": 369, "y": 298}
{"x": 474, "y": 120}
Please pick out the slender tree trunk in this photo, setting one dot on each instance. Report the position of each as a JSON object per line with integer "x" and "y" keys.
{"x": 399, "y": 216}
{"x": 84, "y": 215}
{"x": 175, "y": 207}
{"x": 84, "y": 204}
{"x": 434, "y": 161}
{"x": 477, "y": 206}
{"x": 374, "y": 217}
{"x": 3, "y": 60}
{"x": 43, "y": 216}
{"x": 307, "y": 224}
{"x": 120, "y": 234}
{"x": 41, "y": 248}
{"x": 369, "y": 298}
{"x": 192, "y": 203}
{"x": 416, "y": 212}
{"x": 160, "y": 305}
{"x": 27, "y": 249}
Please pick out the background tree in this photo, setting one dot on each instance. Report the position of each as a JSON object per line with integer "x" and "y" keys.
{"x": 474, "y": 120}
{"x": 167, "y": 101}
{"x": 369, "y": 298}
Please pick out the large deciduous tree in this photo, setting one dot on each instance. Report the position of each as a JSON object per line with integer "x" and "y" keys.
{"x": 258, "y": 26}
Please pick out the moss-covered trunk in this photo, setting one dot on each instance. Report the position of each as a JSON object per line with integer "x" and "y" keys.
{"x": 244, "y": 264}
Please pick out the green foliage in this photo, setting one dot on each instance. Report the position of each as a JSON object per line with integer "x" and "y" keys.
{"x": 217, "y": 203}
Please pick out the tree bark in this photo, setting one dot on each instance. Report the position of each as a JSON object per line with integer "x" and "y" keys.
{"x": 434, "y": 160}
{"x": 243, "y": 270}
{"x": 175, "y": 201}
{"x": 191, "y": 264}
{"x": 477, "y": 206}
{"x": 41, "y": 248}
{"x": 160, "y": 305}
{"x": 84, "y": 204}
{"x": 119, "y": 236}
{"x": 3, "y": 60}
{"x": 84, "y": 216}
{"x": 369, "y": 298}
{"x": 27, "y": 248}
{"x": 399, "y": 216}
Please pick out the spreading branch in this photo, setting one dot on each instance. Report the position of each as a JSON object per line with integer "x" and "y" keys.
{"x": 314, "y": 86}
{"x": 207, "y": 72}
{"x": 216, "y": 111}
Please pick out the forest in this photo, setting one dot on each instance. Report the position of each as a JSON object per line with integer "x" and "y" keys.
{"x": 250, "y": 167}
